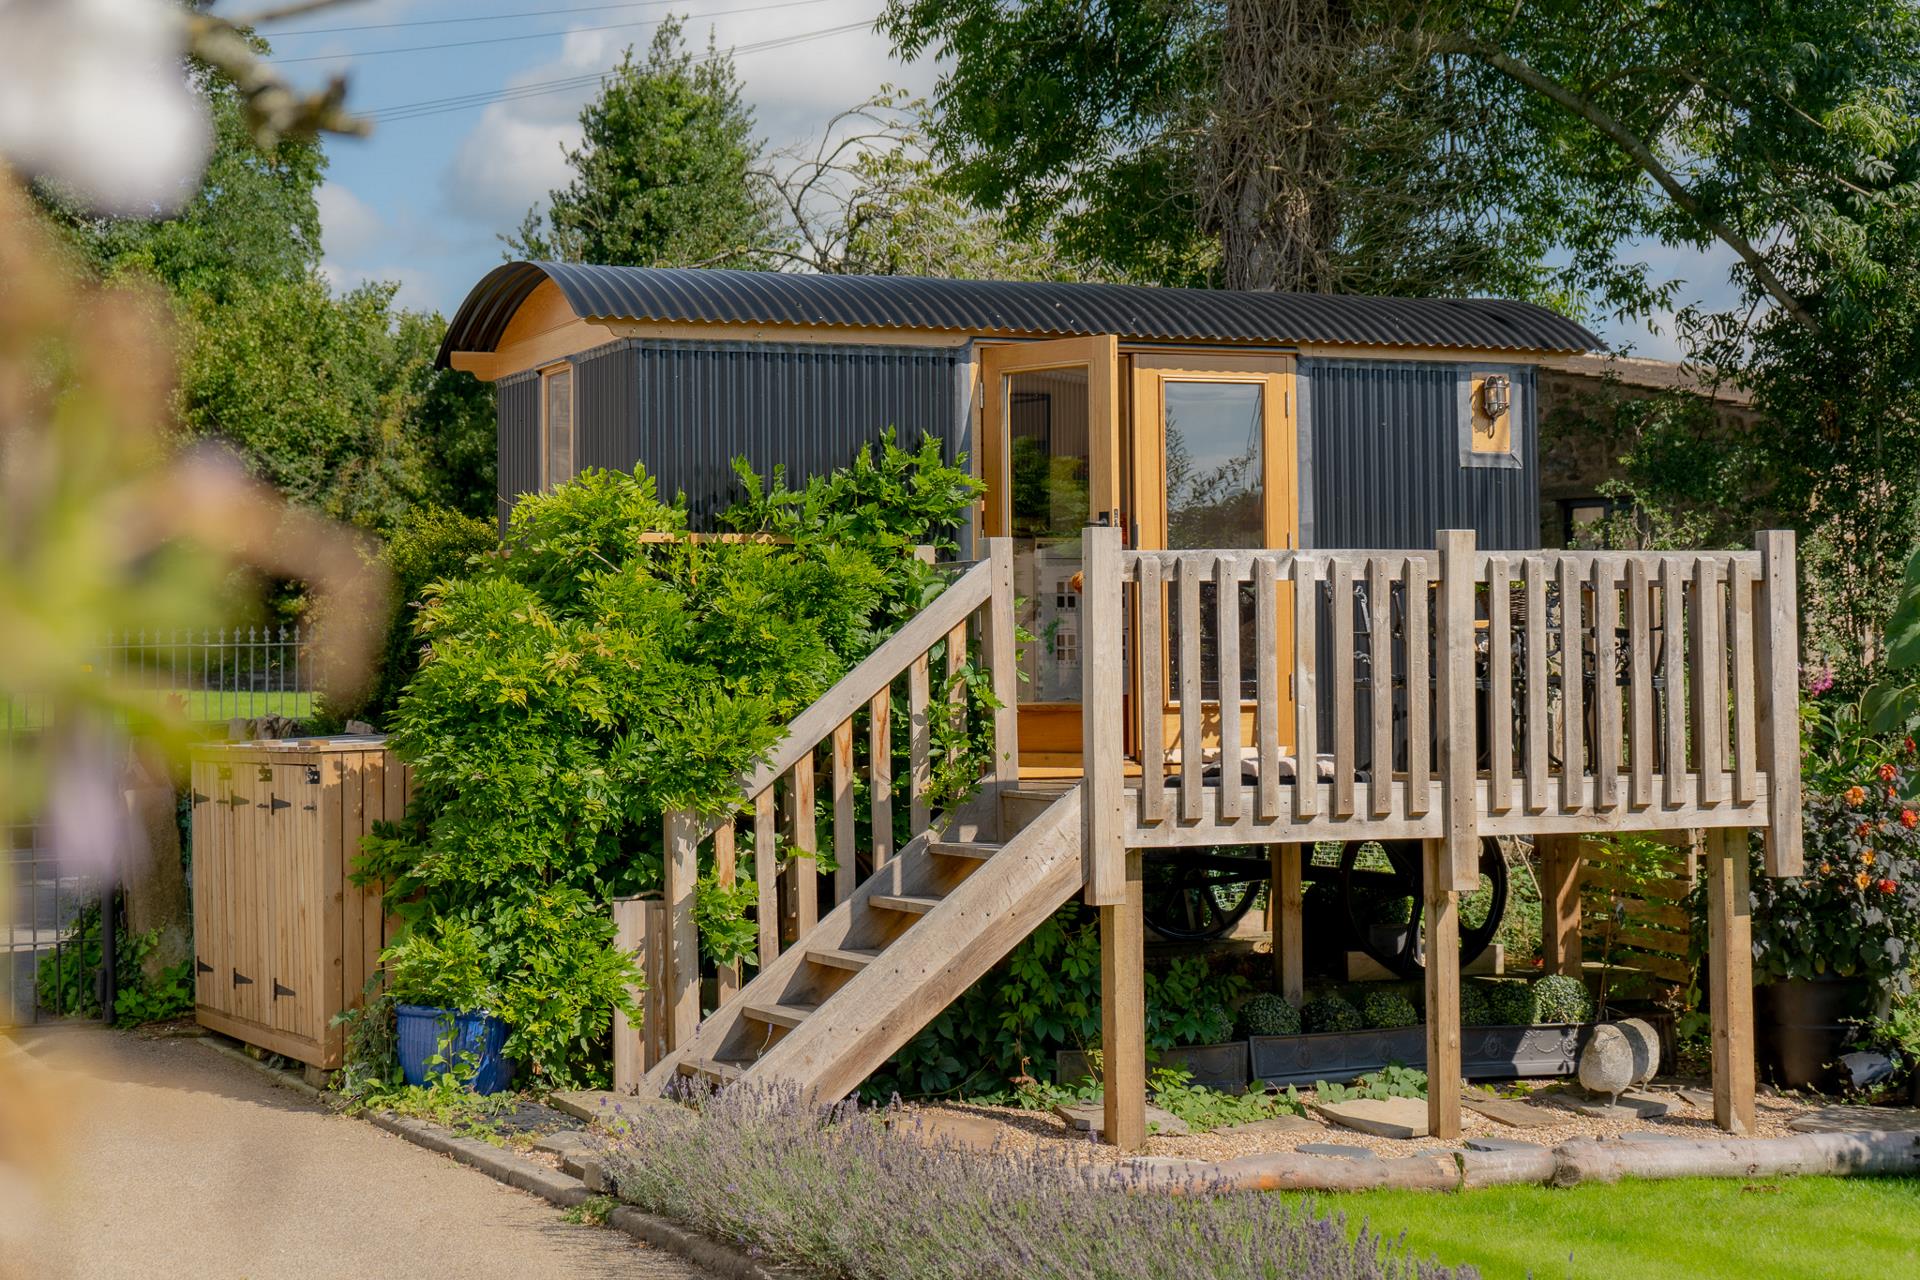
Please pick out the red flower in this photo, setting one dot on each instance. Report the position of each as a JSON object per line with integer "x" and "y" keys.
{"x": 1886, "y": 773}
{"x": 1908, "y": 818}
{"x": 1891, "y": 794}
{"x": 1888, "y": 886}
{"x": 1910, "y": 746}
{"x": 1864, "y": 830}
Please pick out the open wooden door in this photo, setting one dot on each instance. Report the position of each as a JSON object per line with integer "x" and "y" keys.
{"x": 1050, "y": 452}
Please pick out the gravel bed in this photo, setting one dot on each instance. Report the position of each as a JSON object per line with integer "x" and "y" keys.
{"x": 1021, "y": 1131}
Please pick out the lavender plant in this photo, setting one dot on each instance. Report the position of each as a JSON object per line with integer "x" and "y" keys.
{"x": 854, "y": 1193}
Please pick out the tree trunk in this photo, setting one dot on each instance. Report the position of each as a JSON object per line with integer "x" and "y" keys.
{"x": 1274, "y": 156}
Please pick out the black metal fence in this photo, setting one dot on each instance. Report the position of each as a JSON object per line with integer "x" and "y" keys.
{"x": 54, "y": 954}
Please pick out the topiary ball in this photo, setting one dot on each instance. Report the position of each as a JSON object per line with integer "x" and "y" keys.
{"x": 1269, "y": 1014}
{"x": 1475, "y": 1011}
{"x": 1330, "y": 1013}
{"x": 1510, "y": 1002}
{"x": 1387, "y": 1009}
{"x": 1561, "y": 998}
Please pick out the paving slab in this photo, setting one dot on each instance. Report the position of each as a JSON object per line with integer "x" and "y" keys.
{"x": 1510, "y": 1112}
{"x": 1843, "y": 1119}
{"x": 1381, "y": 1117}
{"x": 1091, "y": 1117}
{"x": 1273, "y": 1124}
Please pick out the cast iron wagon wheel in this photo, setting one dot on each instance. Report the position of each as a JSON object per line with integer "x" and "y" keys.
{"x": 1383, "y": 903}
{"x": 1197, "y": 895}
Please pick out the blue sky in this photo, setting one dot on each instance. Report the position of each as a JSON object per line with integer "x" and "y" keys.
{"x": 425, "y": 199}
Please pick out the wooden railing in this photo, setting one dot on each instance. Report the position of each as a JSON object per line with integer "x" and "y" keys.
{"x": 972, "y": 615}
{"x": 1436, "y": 695}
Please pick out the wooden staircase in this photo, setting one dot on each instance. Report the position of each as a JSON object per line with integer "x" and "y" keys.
{"x": 884, "y": 962}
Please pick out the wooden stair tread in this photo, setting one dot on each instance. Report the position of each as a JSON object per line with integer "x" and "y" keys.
{"x": 779, "y": 1014}
{"x": 964, "y": 848}
{"x": 854, "y": 958}
{"x": 913, "y": 903}
{"x": 719, "y": 1069}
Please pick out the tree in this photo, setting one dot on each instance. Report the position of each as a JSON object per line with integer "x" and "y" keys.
{"x": 664, "y": 173}
{"x": 868, "y": 199}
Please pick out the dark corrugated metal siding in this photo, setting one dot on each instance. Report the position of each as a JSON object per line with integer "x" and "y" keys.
{"x": 518, "y": 412}
{"x": 685, "y": 410}
{"x": 1385, "y": 459}
{"x": 1136, "y": 312}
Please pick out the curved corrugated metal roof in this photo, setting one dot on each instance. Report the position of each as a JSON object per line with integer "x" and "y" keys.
{"x": 1133, "y": 312}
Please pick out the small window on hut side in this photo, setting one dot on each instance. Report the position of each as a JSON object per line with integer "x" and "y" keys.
{"x": 1490, "y": 403}
{"x": 556, "y": 417}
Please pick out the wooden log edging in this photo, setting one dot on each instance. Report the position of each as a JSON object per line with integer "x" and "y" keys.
{"x": 1569, "y": 1164}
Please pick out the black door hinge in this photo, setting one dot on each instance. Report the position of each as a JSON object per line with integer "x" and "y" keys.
{"x": 200, "y": 799}
{"x": 275, "y": 804}
{"x": 235, "y": 800}
{"x": 241, "y": 980}
{"x": 201, "y": 966}
{"x": 279, "y": 990}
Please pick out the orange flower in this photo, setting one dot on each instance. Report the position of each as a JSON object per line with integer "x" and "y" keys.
{"x": 1888, "y": 886}
{"x": 1863, "y": 879}
{"x": 1856, "y": 795}
{"x": 1864, "y": 830}
{"x": 1825, "y": 868}
{"x": 1908, "y": 819}
{"x": 1891, "y": 794}
{"x": 1886, "y": 773}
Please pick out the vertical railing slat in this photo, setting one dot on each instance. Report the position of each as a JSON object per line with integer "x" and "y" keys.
{"x": 1226, "y": 586}
{"x": 1640, "y": 696}
{"x": 919, "y": 745}
{"x": 1380, "y": 686}
{"x": 1192, "y": 710}
{"x": 1709, "y": 672}
{"x": 1499, "y": 685}
{"x": 1149, "y": 699}
{"x": 1340, "y": 577}
{"x": 803, "y": 871}
{"x": 845, "y": 869}
{"x": 1740, "y": 583}
{"x": 1002, "y": 657}
{"x": 1266, "y": 679}
{"x": 1606, "y": 683}
{"x": 1306, "y": 698}
{"x": 1539, "y": 725}
{"x": 766, "y": 875}
{"x": 1777, "y": 654}
{"x": 725, "y": 871}
{"x": 1414, "y": 579}
{"x": 880, "y": 774}
{"x": 1573, "y": 720}
{"x": 1673, "y": 658}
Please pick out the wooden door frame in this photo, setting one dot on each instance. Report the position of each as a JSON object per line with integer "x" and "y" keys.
{"x": 1280, "y": 478}
{"x": 1100, "y": 355}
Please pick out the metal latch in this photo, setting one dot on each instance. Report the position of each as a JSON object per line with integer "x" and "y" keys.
{"x": 313, "y": 775}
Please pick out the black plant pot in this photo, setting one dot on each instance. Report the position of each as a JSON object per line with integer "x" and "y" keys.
{"x": 1801, "y": 1028}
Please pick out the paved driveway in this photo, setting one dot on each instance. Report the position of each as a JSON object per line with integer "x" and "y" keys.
{"x": 162, "y": 1158}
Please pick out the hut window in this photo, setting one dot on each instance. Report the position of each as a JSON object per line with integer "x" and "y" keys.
{"x": 1490, "y": 401}
{"x": 556, "y": 387}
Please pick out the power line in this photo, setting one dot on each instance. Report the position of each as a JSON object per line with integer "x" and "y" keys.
{"x": 486, "y": 17}
{"x": 514, "y": 93}
{"x": 538, "y": 35}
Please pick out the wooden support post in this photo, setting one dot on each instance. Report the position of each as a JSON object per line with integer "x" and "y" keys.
{"x": 1456, "y": 712}
{"x": 681, "y": 871}
{"x": 1730, "y": 961}
{"x": 1123, "y": 1014}
{"x": 1777, "y": 657}
{"x": 1002, "y": 658}
{"x": 1103, "y": 725}
{"x": 629, "y": 1054}
{"x": 727, "y": 979}
{"x": 1443, "y": 994}
{"x": 1289, "y": 946}
{"x": 1560, "y": 903}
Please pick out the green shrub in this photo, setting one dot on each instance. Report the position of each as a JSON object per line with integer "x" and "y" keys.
{"x": 1270, "y": 1014}
{"x": 1510, "y": 1002}
{"x": 1330, "y": 1013}
{"x": 1387, "y": 1009}
{"x": 1475, "y": 1010}
{"x": 439, "y": 965}
{"x": 1561, "y": 998}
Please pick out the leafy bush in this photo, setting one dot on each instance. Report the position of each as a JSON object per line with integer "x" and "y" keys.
{"x": 1394, "y": 1081}
{"x": 68, "y": 981}
{"x": 1475, "y": 1009}
{"x": 1203, "y": 1110}
{"x": 587, "y": 678}
{"x": 439, "y": 965}
{"x": 1559, "y": 997}
{"x": 1270, "y": 1014}
{"x": 1510, "y": 1002}
{"x": 1387, "y": 1009}
{"x": 811, "y": 1189}
{"x": 1330, "y": 1013}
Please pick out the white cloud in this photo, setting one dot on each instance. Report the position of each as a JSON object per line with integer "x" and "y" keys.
{"x": 349, "y": 227}
{"x": 419, "y": 290}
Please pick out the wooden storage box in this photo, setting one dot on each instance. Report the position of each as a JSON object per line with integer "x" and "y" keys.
{"x": 283, "y": 939}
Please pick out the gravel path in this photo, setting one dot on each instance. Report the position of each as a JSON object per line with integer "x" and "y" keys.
{"x": 162, "y": 1158}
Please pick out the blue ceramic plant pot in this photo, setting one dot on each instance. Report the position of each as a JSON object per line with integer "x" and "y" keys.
{"x": 426, "y": 1033}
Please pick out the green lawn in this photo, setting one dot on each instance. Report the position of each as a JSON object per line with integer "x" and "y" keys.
{"x": 1698, "y": 1229}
